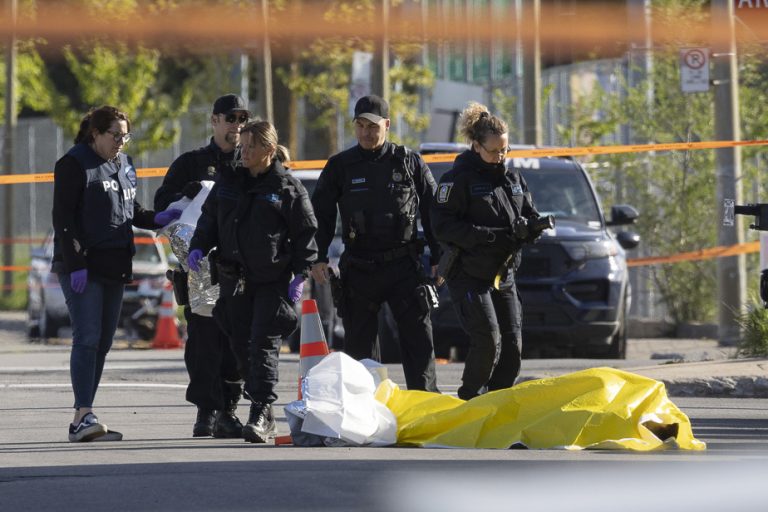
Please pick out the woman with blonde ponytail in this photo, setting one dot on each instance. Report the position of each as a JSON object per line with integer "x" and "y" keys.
{"x": 477, "y": 203}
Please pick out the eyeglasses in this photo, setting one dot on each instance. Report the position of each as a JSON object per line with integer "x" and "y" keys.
{"x": 234, "y": 118}
{"x": 500, "y": 152}
{"x": 120, "y": 137}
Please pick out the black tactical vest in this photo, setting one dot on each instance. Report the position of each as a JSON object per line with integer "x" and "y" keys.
{"x": 379, "y": 200}
{"x": 107, "y": 204}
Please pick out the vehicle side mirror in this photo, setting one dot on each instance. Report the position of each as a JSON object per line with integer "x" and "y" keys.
{"x": 622, "y": 214}
{"x": 628, "y": 239}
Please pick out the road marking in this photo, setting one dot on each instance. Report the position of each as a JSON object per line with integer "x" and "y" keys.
{"x": 102, "y": 385}
{"x": 108, "y": 367}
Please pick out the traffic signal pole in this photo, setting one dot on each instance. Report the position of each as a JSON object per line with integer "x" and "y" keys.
{"x": 731, "y": 270}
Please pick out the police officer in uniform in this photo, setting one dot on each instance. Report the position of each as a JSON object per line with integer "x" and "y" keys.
{"x": 479, "y": 203}
{"x": 261, "y": 221}
{"x": 379, "y": 189}
{"x": 215, "y": 384}
{"x": 94, "y": 209}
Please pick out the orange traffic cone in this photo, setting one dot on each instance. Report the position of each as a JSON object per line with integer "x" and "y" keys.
{"x": 167, "y": 330}
{"x": 312, "y": 346}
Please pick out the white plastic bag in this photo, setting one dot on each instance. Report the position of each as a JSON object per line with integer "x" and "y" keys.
{"x": 340, "y": 404}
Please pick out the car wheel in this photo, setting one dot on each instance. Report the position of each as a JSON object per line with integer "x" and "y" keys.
{"x": 33, "y": 320}
{"x": 618, "y": 347}
{"x": 48, "y": 326}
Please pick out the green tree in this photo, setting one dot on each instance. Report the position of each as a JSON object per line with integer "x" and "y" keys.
{"x": 324, "y": 73}
{"x": 675, "y": 190}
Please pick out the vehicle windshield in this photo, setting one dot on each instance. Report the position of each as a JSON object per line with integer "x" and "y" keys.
{"x": 146, "y": 250}
{"x": 562, "y": 192}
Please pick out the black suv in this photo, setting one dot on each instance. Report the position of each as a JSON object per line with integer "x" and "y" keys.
{"x": 573, "y": 281}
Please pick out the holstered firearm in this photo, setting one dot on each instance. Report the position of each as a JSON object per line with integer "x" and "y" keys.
{"x": 337, "y": 291}
{"x": 448, "y": 264}
{"x": 180, "y": 285}
{"x": 213, "y": 264}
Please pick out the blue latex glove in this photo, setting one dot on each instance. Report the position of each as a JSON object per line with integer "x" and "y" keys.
{"x": 78, "y": 279}
{"x": 296, "y": 288}
{"x": 194, "y": 259}
{"x": 166, "y": 217}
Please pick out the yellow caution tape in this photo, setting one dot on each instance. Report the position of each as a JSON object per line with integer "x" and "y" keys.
{"x": 701, "y": 254}
{"x": 154, "y": 172}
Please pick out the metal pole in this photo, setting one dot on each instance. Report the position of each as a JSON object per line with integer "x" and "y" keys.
{"x": 380, "y": 64}
{"x": 266, "y": 67}
{"x": 731, "y": 279}
{"x": 531, "y": 16}
{"x": 8, "y": 146}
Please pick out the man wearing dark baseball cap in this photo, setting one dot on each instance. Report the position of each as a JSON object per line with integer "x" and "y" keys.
{"x": 215, "y": 384}
{"x": 372, "y": 108}
{"x": 379, "y": 188}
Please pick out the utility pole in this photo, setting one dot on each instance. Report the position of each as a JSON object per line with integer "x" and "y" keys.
{"x": 380, "y": 64}
{"x": 531, "y": 17}
{"x": 9, "y": 140}
{"x": 265, "y": 70}
{"x": 731, "y": 279}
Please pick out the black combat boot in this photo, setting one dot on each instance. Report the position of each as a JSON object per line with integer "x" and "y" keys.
{"x": 227, "y": 424}
{"x": 206, "y": 418}
{"x": 261, "y": 423}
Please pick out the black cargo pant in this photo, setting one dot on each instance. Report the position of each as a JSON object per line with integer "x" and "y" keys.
{"x": 366, "y": 287}
{"x": 214, "y": 381}
{"x": 257, "y": 320}
{"x": 492, "y": 319}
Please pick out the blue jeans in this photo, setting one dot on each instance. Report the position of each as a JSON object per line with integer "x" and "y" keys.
{"x": 94, "y": 314}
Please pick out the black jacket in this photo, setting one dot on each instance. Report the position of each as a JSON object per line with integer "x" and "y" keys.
{"x": 379, "y": 194}
{"x": 94, "y": 207}
{"x": 473, "y": 210}
{"x": 200, "y": 164}
{"x": 264, "y": 224}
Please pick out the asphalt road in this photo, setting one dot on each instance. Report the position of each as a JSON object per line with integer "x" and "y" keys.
{"x": 159, "y": 467}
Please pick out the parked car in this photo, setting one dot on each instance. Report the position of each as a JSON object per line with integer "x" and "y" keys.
{"x": 573, "y": 281}
{"x": 47, "y": 309}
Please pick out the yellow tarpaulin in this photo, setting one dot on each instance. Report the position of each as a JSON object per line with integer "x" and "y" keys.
{"x": 598, "y": 408}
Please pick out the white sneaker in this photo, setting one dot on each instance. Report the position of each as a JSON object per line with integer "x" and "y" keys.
{"x": 88, "y": 429}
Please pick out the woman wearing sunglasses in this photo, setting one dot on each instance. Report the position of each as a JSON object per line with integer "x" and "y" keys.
{"x": 94, "y": 209}
{"x": 476, "y": 206}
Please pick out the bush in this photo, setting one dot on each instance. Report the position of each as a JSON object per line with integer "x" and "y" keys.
{"x": 754, "y": 323}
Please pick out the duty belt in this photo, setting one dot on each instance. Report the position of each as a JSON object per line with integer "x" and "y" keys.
{"x": 412, "y": 249}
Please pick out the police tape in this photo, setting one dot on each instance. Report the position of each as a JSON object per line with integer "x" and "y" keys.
{"x": 701, "y": 254}
{"x": 301, "y": 165}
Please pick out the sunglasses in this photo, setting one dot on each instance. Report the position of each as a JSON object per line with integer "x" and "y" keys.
{"x": 120, "y": 137}
{"x": 499, "y": 152}
{"x": 235, "y": 118}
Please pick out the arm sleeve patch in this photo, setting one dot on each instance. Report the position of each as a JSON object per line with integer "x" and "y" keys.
{"x": 443, "y": 191}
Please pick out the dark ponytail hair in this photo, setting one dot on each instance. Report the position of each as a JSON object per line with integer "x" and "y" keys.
{"x": 99, "y": 119}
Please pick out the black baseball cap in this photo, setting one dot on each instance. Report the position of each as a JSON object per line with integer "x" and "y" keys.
{"x": 372, "y": 108}
{"x": 229, "y": 103}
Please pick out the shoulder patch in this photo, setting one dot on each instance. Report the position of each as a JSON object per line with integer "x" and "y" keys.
{"x": 443, "y": 191}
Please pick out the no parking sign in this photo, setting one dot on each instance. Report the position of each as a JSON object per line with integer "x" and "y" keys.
{"x": 694, "y": 69}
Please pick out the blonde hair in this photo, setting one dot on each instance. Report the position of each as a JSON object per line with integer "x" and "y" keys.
{"x": 476, "y": 123}
{"x": 266, "y": 134}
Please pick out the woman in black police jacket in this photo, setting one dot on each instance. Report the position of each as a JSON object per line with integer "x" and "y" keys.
{"x": 94, "y": 209}
{"x": 260, "y": 220}
{"x": 477, "y": 203}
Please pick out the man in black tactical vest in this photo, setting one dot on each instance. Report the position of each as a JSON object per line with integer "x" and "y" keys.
{"x": 215, "y": 384}
{"x": 379, "y": 188}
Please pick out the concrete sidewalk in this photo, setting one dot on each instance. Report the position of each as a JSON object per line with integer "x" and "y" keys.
{"x": 743, "y": 378}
